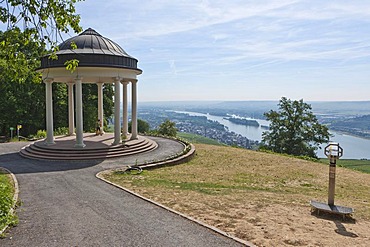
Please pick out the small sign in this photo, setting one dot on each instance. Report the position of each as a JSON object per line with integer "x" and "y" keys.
{"x": 11, "y": 128}
{"x": 19, "y": 126}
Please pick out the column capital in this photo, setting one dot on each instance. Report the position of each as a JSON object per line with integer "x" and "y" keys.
{"x": 134, "y": 80}
{"x": 118, "y": 78}
{"x": 48, "y": 80}
{"x": 77, "y": 79}
{"x": 125, "y": 82}
{"x": 99, "y": 85}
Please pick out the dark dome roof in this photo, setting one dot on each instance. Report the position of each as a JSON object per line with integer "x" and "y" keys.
{"x": 93, "y": 50}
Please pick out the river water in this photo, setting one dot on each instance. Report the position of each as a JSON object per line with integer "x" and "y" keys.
{"x": 353, "y": 147}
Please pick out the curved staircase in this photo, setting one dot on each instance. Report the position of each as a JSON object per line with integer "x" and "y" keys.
{"x": 97, "y": 147}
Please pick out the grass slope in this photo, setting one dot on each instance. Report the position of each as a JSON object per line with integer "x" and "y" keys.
{"x": 260, "y": 197}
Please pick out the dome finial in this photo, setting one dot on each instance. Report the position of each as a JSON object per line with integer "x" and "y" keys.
{"x": 90, "y": 31}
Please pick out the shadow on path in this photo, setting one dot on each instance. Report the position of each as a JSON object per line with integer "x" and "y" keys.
{"x": 20, "y": 165}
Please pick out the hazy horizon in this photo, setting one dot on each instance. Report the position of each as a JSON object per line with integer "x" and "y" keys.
{"x": 277, "y": 100}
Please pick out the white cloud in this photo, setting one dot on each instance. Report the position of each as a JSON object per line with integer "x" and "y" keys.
{"x": 267, "y": 42}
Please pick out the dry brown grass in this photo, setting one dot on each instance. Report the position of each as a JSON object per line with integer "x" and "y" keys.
{"x": 263, "y": 198}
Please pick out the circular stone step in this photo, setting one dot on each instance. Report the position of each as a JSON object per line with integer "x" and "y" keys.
{"x": 97, "y": 147}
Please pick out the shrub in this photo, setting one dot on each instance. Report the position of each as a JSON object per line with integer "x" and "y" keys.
{"x": 41, "y": 134}
{"x": 61, "y": 131}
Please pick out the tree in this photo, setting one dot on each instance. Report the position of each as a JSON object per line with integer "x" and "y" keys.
{"x": 22, "y": 99}
{"x": 167, "y": 128}
{"x": 30, "y": 26}
{"x": 41, "y": 22}
{"x": 142, "y": 126}
{"x": 294, "y": 129}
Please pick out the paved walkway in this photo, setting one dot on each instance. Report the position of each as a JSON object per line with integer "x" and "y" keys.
{"x": 63, "y": 204}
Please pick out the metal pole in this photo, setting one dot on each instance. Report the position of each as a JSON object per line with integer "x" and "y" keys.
{"x": 332, "y": 167}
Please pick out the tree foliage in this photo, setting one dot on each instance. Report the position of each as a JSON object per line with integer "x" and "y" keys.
{"x": 30, "y": 26}
{"x": 142, "y": 126}
{"x": 22, "y": 95}
{"x": 40, "y": 22}
{"x": 90, "y": 105}
{"x": 167, "y": 128}
{"x": 294, "y": 129}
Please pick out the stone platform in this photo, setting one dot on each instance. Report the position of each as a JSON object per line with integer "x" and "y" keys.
{"x": 97, "y": 147}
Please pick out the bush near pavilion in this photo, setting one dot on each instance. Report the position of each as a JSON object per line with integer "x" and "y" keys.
{"x": 142, "y": 126}
{"x": 167, "y": 128}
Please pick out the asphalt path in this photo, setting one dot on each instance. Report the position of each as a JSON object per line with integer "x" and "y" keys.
{"x": 64, "y": 204}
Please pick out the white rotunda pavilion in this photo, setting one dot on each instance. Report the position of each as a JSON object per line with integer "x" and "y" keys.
{"x": 100, "y": 61}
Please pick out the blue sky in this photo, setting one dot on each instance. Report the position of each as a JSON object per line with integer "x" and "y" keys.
{"x": 241, "y": 50}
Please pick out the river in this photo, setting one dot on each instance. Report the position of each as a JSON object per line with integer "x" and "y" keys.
{"x": 353, "y": 147}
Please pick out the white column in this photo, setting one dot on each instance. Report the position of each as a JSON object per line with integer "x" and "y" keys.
{"x": 117, "y": 111}
{"x": 125, "y": 106}
{"x": 100, "y": 106}
{"x": 71, "y": 110}
{"x": 134, "y": 109}
{"x": 79, "y": 115}
{"x": 49, "y": 111}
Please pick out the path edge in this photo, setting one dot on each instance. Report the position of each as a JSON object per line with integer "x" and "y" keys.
{"x": 99, "y": 175}
{"x": 15, "y": 196}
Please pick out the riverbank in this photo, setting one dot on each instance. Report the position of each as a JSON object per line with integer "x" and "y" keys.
{"x": 354, "y": 147}
{"x": 349, "y": 134}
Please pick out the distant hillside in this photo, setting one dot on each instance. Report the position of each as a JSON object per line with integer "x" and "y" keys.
{"x": 342, "y": 108}
{"x": 256, "y": 109}
{"x": 359, "y": 126}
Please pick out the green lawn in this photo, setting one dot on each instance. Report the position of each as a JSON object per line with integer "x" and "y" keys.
{"x": 6, "y": 200}
{"x": 193, "y": 138}
{"x": 357, "y": 165}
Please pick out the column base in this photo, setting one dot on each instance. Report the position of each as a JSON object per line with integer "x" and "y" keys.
{"x": 116, "y": 143}
{"x": 125, "y": 137}
{"x": 72, "y": 134}
{"x": 80, "y": 145}
{"x": 49, "y": 143}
